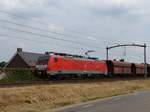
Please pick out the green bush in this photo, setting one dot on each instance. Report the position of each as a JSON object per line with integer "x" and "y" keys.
{"x": 2, "y": 64}
{"x": 19, "y": 75}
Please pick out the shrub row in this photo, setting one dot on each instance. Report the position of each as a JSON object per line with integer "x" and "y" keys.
{"x": 19, "y": 75}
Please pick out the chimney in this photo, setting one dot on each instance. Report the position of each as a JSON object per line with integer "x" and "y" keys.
{"x": 47, "y": 53}
{"x": 19, "y": 49}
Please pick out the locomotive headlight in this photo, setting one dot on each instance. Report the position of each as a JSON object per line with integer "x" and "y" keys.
{"x": 39, "y": 72}
{"x": 41, "y": 67}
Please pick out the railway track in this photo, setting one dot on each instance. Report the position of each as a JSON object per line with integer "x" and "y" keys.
{"x": 20, "y": 84}
{"x": 69, "y": 81}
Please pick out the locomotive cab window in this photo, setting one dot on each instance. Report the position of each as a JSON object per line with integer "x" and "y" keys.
{"x": 43, "y": 59}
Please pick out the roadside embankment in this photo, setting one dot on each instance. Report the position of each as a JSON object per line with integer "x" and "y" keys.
{"x": 42, "y": 97}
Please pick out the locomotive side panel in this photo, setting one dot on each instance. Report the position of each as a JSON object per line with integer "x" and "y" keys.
{"x": 76, "y": 66}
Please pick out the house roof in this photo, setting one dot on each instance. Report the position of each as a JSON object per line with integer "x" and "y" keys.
{"x": 30, "y": 58}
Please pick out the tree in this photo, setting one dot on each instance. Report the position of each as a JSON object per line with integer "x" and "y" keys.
{"x": 2, "y": 64}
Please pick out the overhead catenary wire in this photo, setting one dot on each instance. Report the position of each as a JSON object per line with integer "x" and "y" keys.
{"x": 23, "y": 25}
{"x": 37, "y": 41}
{"x": 40, "y": 29}
{"x": 54, "y": 32}
{"x": 36, "y": 28}
{"x": 7, "y": 21}
{"x": 76, "y": 32}
{"x": 38, "y": 35}
{"x": 45, "y": 42}
{"x": 48, "y": 31}
{"x": 54, "y": 38}
{"x": 49, "y": 37}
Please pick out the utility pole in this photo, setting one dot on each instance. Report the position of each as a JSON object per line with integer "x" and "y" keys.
{"x": 145, "y": 63}
{"x": 107, "y": 53}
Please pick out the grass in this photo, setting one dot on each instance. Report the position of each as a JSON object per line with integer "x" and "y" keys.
{"x": 44, "y": 97}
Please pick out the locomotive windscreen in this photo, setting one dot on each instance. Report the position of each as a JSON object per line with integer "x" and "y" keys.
{"x": 43, "y": 60}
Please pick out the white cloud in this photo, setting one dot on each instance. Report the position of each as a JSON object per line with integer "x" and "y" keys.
{"x": 110, "y": 3}
{"x": 55, "y": 28}
{"x": 8, "y": 4}
{"x": 125, "y": 2}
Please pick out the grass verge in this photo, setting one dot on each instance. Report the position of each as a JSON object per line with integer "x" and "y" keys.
{"x": 44, "y": 97}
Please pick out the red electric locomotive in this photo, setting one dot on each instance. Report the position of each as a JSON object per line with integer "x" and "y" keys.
{"x": 66, "y": 64}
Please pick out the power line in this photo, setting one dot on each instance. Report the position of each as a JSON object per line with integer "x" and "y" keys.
{"x": 68, "y": 30}
{"x": 44, "y": 36}
{"x": 11, "y": 22}
{"x": 35, "y": 28}
{"x": 43, "y": 23}
{"x": 38, "y": 35}
{"x": 50, "y": 37}
{"x": 45, "y": 30}
{"x": 39, "y": 29}
{"x": 54, "y": 38}
{"x": 36, "y": 41}
{"x": 45, "y": 42}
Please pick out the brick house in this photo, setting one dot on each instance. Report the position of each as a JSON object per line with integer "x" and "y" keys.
{"x": 23, "y": 59}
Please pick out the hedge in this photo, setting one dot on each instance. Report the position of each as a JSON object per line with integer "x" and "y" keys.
{"x": 19, "y": 75}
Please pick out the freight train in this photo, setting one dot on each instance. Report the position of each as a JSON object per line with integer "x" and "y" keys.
{"x": 67, "y": 65}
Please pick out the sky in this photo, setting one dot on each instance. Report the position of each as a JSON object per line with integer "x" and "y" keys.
{"x": 45, "y": 25}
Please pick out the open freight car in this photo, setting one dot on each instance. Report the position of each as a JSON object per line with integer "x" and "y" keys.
{"x": 126, "y": 68}
{"x": 120, "y": 68}
{"x": 140, "y": 69}
{"x": 148, "y": 69}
